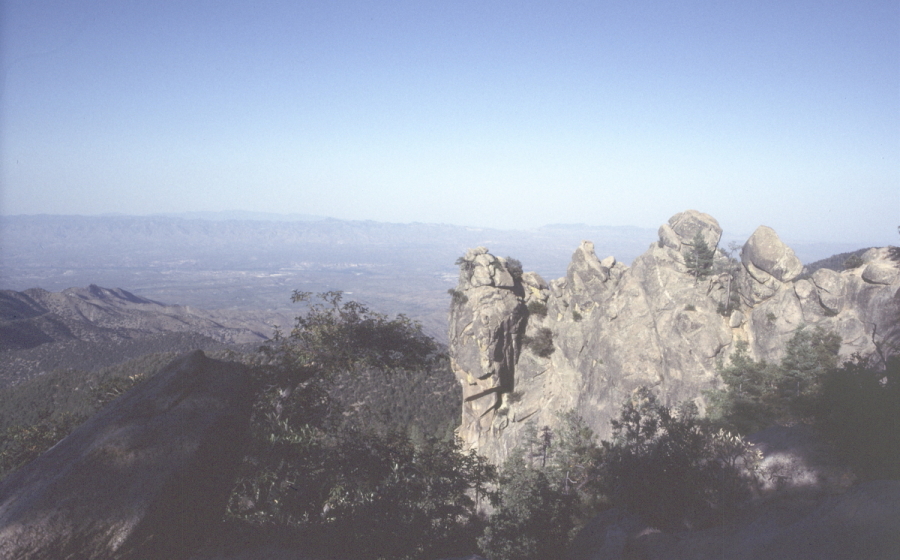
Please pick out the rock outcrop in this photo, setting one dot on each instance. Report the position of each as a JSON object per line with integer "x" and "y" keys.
{"x": 145, "y": 478}
{"x": 526, "y": 349}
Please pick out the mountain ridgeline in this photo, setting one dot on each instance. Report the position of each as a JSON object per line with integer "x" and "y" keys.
{"x": 526, "y": 350}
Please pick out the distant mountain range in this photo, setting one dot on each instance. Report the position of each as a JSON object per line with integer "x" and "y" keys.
{"x": 244, "y": 260}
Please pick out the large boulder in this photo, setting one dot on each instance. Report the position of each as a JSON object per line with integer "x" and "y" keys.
{"x": 146, "y": 478}
{"x": 766, "y": 252}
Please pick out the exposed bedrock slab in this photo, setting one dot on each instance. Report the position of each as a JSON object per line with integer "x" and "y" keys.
{"x": 145, "y": 478}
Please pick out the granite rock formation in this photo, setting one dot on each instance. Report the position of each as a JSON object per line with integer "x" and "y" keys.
{"x": 146, "y": 478}
{"x": 525, "y": 349}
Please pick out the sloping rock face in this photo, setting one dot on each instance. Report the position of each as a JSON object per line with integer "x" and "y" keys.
{"x": 614, "y": 328}
{"x": 145, "y": 478}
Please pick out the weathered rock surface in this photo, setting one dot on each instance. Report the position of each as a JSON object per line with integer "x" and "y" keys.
{"x": 488, "y": 341}
{"x": 861, "y": 523}
{"x": 145, "y": 478}
{"x": 614, "y": 327}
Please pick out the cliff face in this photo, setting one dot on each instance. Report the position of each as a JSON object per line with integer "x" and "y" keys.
{"x": 614, "y": 328}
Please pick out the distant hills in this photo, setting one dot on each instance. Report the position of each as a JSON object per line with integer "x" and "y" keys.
{"x": 253, "y": 261}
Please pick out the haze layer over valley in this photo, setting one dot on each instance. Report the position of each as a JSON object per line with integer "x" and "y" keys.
{"x": 254, "y": 262}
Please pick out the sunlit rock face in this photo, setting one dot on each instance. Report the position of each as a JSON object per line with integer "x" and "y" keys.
{"x": 613, "y": 328}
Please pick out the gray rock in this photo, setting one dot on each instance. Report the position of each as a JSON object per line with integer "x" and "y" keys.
{"x": 765, "y": 251}
{"x": 880, "y": 272}
{"x": 668, "y": 237}
{"x": 145, "y": 478}
{"x": 616, "y": 327}
{"x": 486, "y": 332}
{"x": 688, "y": 223}
{"x": 830, "y": 288}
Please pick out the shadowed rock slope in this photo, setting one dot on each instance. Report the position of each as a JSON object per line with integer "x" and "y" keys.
{"x": 146, "y": 478}
{"x": 525, "y": 349}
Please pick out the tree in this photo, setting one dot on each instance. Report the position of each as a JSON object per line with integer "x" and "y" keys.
{"x": 758, "y": 394}
{"x": 699, "y": 257}
{"x": 533, "y": 517}
{"x": 370, "y": 494}
{"x": 672, "y": 468}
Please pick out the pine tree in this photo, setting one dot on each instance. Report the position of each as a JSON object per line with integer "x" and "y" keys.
{"x": 699, "y": 257}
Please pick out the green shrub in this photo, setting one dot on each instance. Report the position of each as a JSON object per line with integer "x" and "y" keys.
{"x": 541, "y": 343}
{"x": 21, "y": 444}
{"x": 673, "y": 469}
{"x": 346, "y": 489}
{"x": 514, "y": 267}
{"x": 533, "y": 517}
{"x": 690, "y": 307}
{"x": 457, "y": 296}
{"x": 858, "y": 408}
{"x": 576, "y": 316}
{"x": 699, "y": 257}
{"x": 537, "y": 308}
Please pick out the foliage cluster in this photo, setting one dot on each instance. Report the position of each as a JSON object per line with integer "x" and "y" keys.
{"x": 39, "y": 412}
{"x": 760, "y": 394}
{"x": 465, "y": 265}
{"x": 457, "y": 297}
{"x": 853, "y": 261}
{"x": 514, "y": 267}
{"x": 376, "y": 491}
{"x": 834, "y": 262}
{"x": 856, "y": 405}
{"x": 671, "y": 467}
{"x": 541, "y": 343}
{"x": 537, "y": 308}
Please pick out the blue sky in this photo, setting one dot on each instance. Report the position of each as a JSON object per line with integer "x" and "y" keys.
{"x": 493, "y": 114}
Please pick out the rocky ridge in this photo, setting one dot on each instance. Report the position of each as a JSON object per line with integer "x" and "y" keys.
{"x": 525, "y": 349}
{"x": 36, "y": 316}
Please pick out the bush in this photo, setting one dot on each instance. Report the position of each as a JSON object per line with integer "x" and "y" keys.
{"x": 22, "y": 444}
{"x": 858, "y": 408}
{"x": 576, "y": 316}
{"x": 673, "y": 469}
{"x": 541, "y": 343}
{"x": 457, "y": 297}
{"x": 537, "y": 308}
{"x": 351, "y": 490}
{"x": 514, "y": 267}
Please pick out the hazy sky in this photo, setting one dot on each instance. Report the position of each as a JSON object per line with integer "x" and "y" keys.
{"x": 483, "y": 113}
